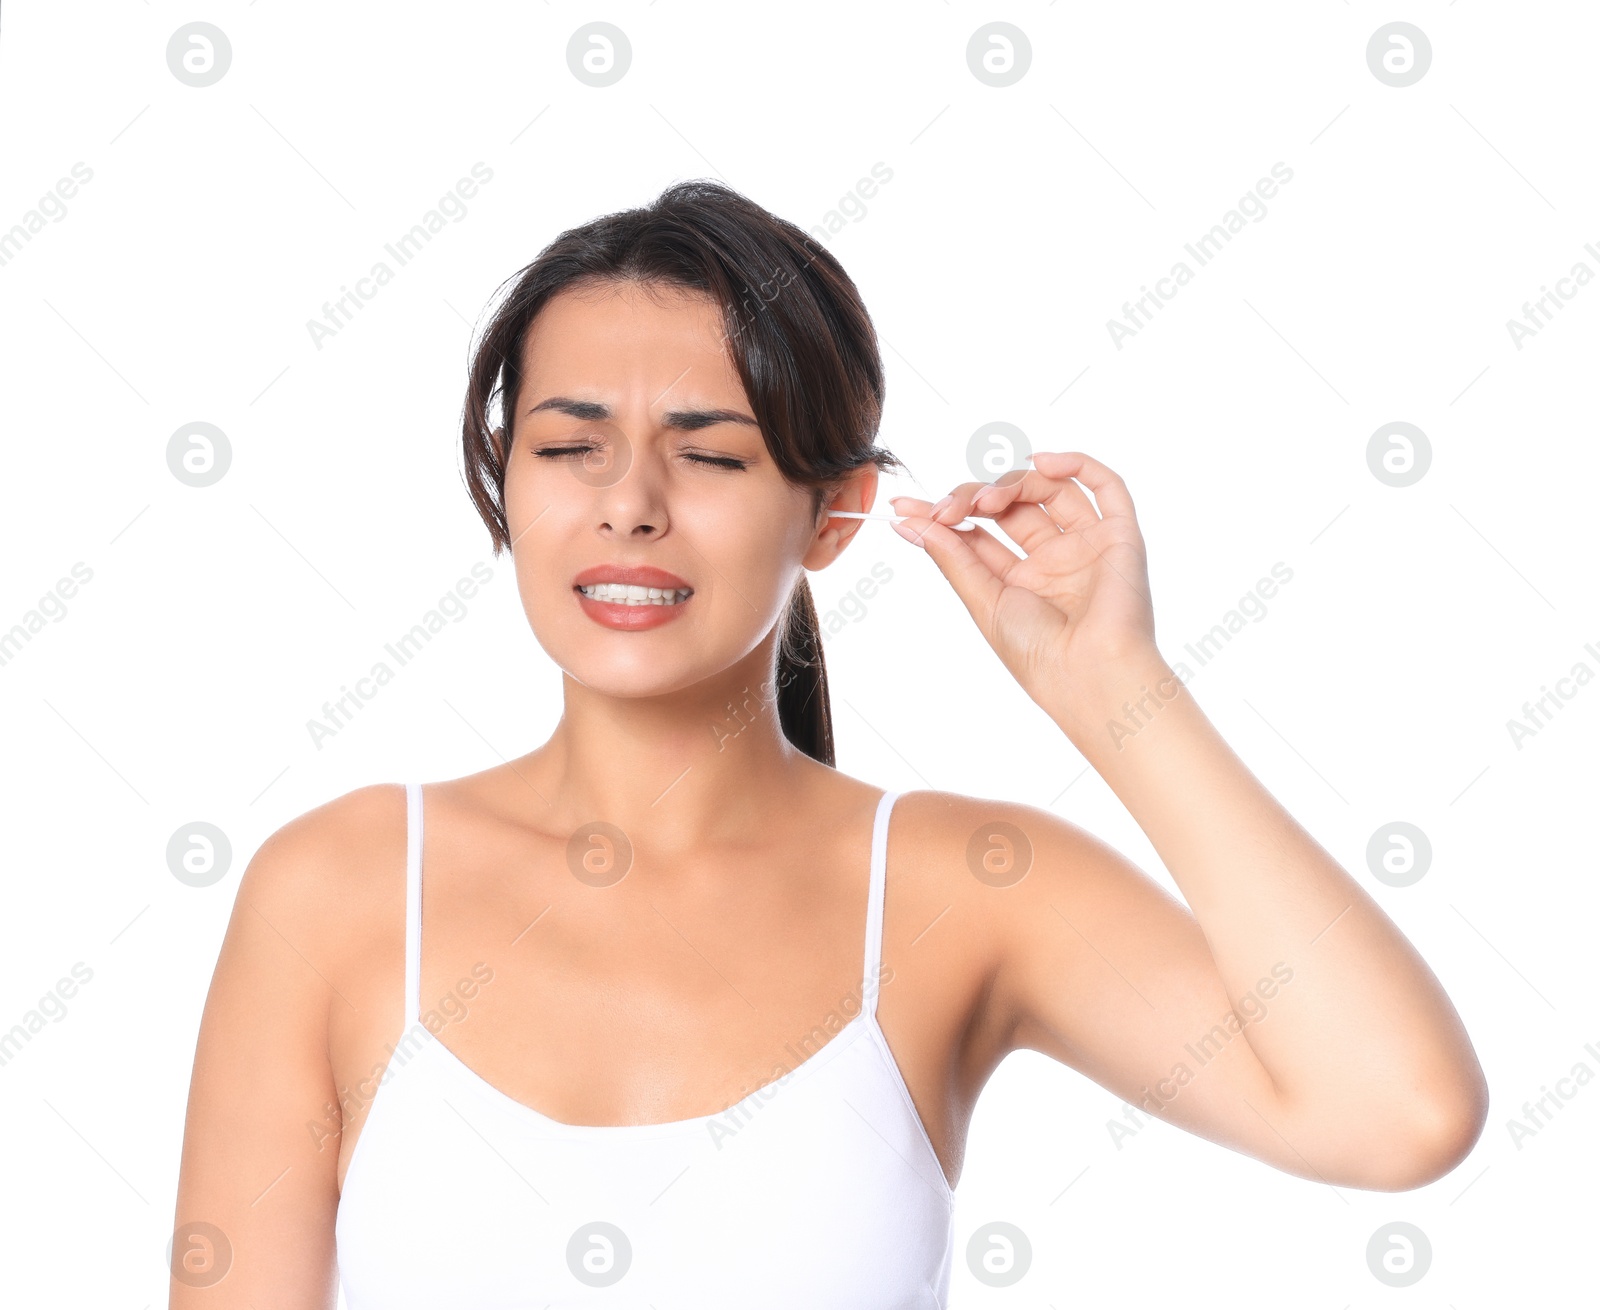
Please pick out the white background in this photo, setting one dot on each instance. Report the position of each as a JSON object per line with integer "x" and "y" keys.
{"x": 177, "y": 686}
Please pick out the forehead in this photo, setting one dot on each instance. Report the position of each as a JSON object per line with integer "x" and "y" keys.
{"x": 623, "y": 337}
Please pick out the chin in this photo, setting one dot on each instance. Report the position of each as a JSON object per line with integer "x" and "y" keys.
{"x": 633, "y": 680}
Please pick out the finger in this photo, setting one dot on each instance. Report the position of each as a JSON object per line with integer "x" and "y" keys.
{"x": 1111, "y": 494}
{"x": 973, "y": 580}
{"x": 1024, "y": 522}
{"x": 958, "y": 504}
{"x": 1110, "y": 491}
{"x": 951, "y": 512}
{"x": 994, "y": 552}
{"x": 1065, "y": 503}
{"x": 1071, "y": 506}
{"x": 1013, "y": 501}
{"x": 1036, "y": 510}
{"x": 991, "y": 550}
{"x": 915, "y": 505}
{"x": 912, "y": 505}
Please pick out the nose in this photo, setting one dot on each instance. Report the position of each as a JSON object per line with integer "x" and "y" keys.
{"x": 627, "y": 487}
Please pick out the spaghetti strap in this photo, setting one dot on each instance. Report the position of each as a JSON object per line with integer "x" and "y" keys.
{"x": 413, "y": 904}
{"x": 875, "y": 897}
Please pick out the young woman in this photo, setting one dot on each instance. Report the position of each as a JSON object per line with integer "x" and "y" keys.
{"x": 671, "y": 1011}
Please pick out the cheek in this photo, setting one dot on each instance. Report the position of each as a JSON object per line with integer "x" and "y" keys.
{"x": 757, "y": 567}
{"x": 751, "y": 536}
{"x": 750, "y": 553}
{"x": 518, "y": 498}
{"x": 544, "y": 552}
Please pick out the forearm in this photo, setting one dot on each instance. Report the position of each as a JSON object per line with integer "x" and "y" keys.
{"x": 1363, "y": 1029}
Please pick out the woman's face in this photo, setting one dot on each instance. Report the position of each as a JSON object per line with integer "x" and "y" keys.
{"x": 635, "y": 447}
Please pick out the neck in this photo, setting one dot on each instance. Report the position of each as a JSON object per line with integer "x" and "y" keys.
{"x": 710, "y": 760}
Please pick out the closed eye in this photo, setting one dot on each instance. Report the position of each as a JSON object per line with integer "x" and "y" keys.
{"x": 711, "y": 461}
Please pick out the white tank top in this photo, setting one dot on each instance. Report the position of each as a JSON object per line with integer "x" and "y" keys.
{"x": 819, "y": 1191}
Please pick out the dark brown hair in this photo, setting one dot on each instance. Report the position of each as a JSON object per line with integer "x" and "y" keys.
{"x": 798, "y": 334}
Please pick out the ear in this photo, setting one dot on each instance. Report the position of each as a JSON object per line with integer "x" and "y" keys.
{"x": 498, "y": 436}
{"x": 857, "y": 494}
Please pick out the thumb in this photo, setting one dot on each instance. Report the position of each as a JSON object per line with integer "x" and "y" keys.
{"x": 969, "y": 577}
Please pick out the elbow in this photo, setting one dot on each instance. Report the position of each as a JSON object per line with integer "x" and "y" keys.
{"x": 1440, "y": 1144}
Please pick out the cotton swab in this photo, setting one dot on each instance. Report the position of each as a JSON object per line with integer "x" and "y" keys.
{"x": 964, "y": 525}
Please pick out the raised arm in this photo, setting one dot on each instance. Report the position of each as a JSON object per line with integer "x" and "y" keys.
{"x": 1312, "y": 1034}
{"x": 1338, "y": 1059}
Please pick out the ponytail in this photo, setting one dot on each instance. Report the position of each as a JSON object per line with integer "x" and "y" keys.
{"x": 803, "y": 709}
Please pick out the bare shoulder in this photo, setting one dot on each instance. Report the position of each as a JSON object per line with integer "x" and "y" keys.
{"x": 977, "y": 861}
{"x": 974, "y": 884}
{"x": 262, "y": 1070}
{"x": 321, "y": 878}
{"x": 342, "y": 837}
{"x": 978, "y": 842}
{"x": 1042, "y": 898}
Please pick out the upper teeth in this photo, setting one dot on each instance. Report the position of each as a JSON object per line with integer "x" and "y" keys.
{"x": 618, "y": 593}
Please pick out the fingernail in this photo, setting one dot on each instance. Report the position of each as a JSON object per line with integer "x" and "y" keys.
{"x": 908, "y": 533}
{"x": 934, "y": 512}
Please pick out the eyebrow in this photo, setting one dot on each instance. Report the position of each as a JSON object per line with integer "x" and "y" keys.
{"x": 685, "y": 420}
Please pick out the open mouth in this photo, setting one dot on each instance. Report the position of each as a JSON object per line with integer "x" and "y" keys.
{"x": 617, "y": 593}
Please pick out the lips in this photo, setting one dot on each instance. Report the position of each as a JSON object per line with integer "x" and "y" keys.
{"x": 631, "y": 575}
{"x": 632, "y": 597}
